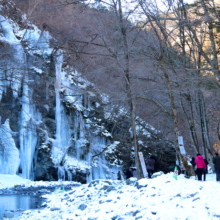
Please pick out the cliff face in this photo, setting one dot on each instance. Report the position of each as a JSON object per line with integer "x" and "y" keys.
{"x": 52, "y": 125}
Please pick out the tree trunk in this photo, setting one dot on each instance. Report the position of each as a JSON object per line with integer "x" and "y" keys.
{"x": 190, "y": 121}
{"x": 175, "y": 120}
{"x": 204, "y": 129}
{"x": 130, "y": 96}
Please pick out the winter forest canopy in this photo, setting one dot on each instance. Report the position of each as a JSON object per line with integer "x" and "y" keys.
{"x": 104, "y": 80}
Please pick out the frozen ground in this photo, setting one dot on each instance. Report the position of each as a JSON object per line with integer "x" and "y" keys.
{"x": 159, "y": 198}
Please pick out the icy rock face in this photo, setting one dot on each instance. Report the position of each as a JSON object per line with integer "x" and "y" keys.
{"x": 48, "y": 108}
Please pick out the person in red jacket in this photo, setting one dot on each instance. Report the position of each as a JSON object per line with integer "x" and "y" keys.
{"x": 200, "y": 163}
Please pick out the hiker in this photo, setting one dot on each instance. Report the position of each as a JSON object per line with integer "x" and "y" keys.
{"x": 119, "y": 175}
{"x": 183, "y": 170}
{"x": 216, "y": 161}
{"x": 150, "y": 166}
{"x": 205, "y": 171}
{"x": 200, "y": 163}
{"x": 128, "y": 174}
{"x": 192, "y": 161}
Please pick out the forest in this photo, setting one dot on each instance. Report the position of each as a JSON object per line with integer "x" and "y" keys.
{"x": 156, "y": 60}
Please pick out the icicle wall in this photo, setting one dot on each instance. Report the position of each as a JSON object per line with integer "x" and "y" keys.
{"x": 73, "y": 142}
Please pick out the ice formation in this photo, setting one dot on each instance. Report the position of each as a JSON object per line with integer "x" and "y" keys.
{"x": 9, "y": 154}
{"x": 71, "y": 129}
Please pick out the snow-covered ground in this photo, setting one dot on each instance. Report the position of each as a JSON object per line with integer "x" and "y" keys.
{"x": 159, "y": 198}
{"x": 8, "y": 181}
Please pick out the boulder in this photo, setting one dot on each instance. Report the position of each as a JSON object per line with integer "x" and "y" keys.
{"x": 8, "y": 215}
{"x": 131, "y": 181}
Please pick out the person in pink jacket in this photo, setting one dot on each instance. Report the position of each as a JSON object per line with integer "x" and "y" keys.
{"x": 200, "y": 163}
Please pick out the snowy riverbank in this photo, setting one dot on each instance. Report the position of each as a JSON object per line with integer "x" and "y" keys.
{"x": 159, "y": 198}
{"x": 9, "y": 181}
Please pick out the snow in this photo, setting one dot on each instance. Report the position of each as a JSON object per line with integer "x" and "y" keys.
{"x": 73, "y": 163}
{"x": 9, "y": 181}
{"x": 37, "y": 70}
{"x": 159, "y": 198}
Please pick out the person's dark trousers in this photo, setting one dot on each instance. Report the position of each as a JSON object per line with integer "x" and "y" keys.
{"x": 204, "y": 177}
{"x": 199, "y": 173}
{"x": 217, "y": 175}
{"x": 195, "y": 173}
{"x": 150, "y": 172}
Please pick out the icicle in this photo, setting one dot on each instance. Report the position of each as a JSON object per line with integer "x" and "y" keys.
{"x": 28, "y": 135}
{"x": 9, "y": 154}
{"x": 69, "y": 175}
{"x": 61, "y": 173}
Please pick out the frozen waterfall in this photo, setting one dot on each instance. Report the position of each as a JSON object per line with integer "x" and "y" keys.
{"x": 63, "y": 130}
{"x": 28, "y": 136}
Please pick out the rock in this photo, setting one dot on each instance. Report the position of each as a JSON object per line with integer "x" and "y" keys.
{"x": 157, "y": 174}
{"x": 93, "y": 183}
{"x": 136, "y": 212}
{"x": 44, "y": 169}
{"x": 131, "y": 181}
{"x": 101, "y": 201}
{"x": 66, "y": 198}
{"x": 92, "y": 218}
{"x": 114, "y": 217}
{"x": 105, "y": 187}
{"x": 109, "y": 200}
{"x": 195, "y": 199}
{"x": 19, "y": 186}
{"x": 54, "y": 209}
{"x": 139, "y": 217}
{"x": 82, "y": 207}
{"x": 8, "y": 215}
{"x": 110, "y": 188}
{"x": 71, "y": 193}
{"x": 79, "y": 196}
{"x": 107, "y": 181}
{"x": 140, "y": 185}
